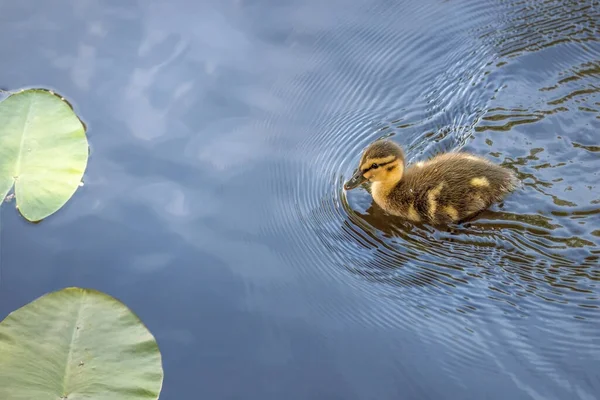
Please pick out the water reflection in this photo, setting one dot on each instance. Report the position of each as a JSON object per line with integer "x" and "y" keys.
{"x": 222, "y": 132}
{"x": 531, "y": 26}
{"x": 537, "y": 254}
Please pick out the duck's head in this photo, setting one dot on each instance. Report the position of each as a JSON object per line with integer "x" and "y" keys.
{"x": 382, "y": 161}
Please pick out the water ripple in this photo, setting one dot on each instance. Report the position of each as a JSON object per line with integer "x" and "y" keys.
{"x": 534, "y": 257}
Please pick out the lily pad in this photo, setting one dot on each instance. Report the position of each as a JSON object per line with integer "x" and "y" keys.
{"x": 78, "y": 344}
{"x": 43, "y": 151}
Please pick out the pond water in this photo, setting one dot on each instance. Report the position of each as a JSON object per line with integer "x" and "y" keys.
{"x": 221, "y": 133}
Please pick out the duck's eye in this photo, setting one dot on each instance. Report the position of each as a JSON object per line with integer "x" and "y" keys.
{"x": 373, "y": 166}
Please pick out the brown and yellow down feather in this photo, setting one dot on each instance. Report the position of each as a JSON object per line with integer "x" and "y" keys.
{"x": 448, "y": 188}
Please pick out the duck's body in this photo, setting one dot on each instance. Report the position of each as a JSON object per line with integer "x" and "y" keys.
{"x": 448, "y": 188}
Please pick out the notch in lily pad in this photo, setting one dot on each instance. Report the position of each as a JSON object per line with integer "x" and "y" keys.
{"x": 43, "y": 151}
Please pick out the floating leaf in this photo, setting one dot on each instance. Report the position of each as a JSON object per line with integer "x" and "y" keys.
{"x": 77, "y": 344}
{"x": 43, "y": 151}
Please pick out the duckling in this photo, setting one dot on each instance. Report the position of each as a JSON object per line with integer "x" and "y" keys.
{"x": 447, "y": 188}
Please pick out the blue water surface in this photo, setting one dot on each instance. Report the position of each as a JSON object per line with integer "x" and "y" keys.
{"x": 221, "y": 133}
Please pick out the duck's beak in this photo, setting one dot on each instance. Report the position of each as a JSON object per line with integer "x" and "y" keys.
{"x": 357, "y": 179}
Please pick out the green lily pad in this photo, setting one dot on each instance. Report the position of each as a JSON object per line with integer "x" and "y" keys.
{"x": 78, "y": 344}
{"x": 43, "y": 151}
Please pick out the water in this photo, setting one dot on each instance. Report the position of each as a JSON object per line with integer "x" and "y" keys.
{"x": 221, "y": 133}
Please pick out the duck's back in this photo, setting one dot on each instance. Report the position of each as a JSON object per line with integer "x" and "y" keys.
{"x": 452, "y": 187}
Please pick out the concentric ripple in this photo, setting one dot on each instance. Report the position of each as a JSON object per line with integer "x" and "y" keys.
{"x": 536, "y": 256}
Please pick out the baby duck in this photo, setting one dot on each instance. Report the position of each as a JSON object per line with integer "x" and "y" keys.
{"x": 449, "y": 187}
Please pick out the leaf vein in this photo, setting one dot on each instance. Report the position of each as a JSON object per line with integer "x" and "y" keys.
{"x": 21, "y": 145}
{"x": 71, "y": 342}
